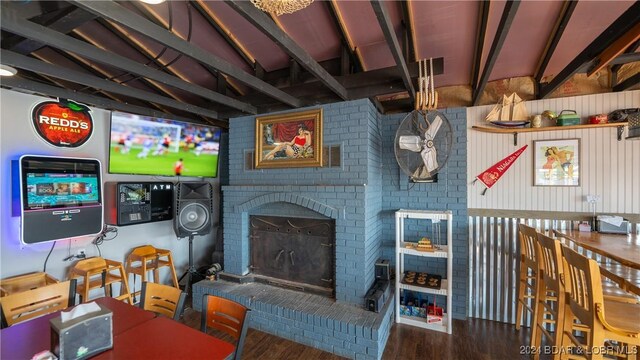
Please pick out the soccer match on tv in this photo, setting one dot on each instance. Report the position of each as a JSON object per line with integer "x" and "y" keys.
{"x": 154, "y": 146}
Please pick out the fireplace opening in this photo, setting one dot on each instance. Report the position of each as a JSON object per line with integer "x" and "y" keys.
{"x": 296, "y": 253}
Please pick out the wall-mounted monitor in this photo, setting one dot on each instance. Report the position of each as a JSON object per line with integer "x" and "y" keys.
{"x": 60, "y": 198}
{"x": 146, "y": 145}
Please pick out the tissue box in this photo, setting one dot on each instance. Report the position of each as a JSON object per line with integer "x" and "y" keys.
{"x": 604, "y": 227}
{"x": 82, "y": 337}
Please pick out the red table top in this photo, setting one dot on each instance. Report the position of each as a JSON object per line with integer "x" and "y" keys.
{"x": 136, "y": 334}
{"x": 164, "y": 338}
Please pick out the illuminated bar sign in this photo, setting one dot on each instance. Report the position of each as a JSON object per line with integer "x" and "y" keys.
{"x": 62, "y": 123}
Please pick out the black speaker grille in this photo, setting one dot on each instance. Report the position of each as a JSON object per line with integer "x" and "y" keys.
{"x": 193, "y": 217}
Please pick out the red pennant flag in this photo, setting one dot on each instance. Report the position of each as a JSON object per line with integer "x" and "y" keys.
{"x": 490, "y": 176}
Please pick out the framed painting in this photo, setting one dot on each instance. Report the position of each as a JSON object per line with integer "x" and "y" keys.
{"x": 556, "y": 162}
{"x": 289, "y": 140}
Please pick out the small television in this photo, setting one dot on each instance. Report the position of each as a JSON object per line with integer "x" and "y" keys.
{"x": 61, "y": 197}
{"x": 144, "y": 145}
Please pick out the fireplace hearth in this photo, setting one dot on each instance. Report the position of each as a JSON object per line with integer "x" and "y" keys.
{"x": 296, "y": 253}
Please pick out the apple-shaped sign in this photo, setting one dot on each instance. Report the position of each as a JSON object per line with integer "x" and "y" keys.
{"x": 62, "y": 123}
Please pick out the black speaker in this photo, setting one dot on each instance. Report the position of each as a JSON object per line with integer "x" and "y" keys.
{"x": 194, "y": 206}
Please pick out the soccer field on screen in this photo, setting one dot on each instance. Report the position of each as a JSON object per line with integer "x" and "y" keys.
{"x": 205, "y": 165}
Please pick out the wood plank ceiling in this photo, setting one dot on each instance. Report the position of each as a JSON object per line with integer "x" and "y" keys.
{"x": 208, "y": 61}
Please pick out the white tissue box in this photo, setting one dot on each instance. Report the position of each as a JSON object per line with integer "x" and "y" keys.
{"x": 605, "y": 227}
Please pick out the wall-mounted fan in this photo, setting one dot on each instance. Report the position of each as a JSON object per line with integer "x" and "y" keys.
{"x": 423, "y": 144}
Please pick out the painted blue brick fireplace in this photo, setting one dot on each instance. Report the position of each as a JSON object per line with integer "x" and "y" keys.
{"x": 361, "y": 196}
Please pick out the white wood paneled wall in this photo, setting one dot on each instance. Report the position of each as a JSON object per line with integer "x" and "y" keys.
{"x": 610, "y": 168}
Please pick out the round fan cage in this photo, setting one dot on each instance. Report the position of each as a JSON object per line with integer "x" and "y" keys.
{"x": 423, "y": 144}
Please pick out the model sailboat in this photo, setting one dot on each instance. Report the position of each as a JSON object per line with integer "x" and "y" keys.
{"x": 510, "y": 112}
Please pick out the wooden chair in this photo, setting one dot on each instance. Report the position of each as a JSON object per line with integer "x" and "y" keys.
{"x": 162, "y": 299}
{"x": 36, "y": 302}
{"x": 552, "y": 282}
{"x": 551, "y": 311}
{"x": 530, "y": 274}
{"x": 226, "y": 316}
{"x": 96, "y": 273}
{"x": 148, "y": 258}
{"x": 20, "y": 283}
{"x": 605, "y": 320}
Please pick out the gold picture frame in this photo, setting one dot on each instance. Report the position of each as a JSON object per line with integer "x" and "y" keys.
{"x": 289, "y": 140}
{"x": 556, "y": 162}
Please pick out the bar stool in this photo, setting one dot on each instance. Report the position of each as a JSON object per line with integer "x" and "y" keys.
{"x": 553, "y": 282}
{"x": 148, "y": 258}
{"x": 530, "y": 274}
{"x": 605, "y": 320}
{"x": 96, "y": 273}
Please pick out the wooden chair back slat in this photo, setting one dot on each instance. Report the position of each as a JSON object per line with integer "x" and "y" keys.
{"x": 226, "y": 316}
{"x": 552, "y": 267}
{"x": 162, "y": 299}
{"x": 585, "y": 286}
{"x": 528, "y": 246}
{"x": 36, "y": 302}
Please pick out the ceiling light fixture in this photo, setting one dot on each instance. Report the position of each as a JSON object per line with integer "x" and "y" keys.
{"x": 7, "y": 70}
{"x": 279, "y": 7}
{"x": 153, "y": 2}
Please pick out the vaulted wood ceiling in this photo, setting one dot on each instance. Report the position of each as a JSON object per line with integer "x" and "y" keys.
{"x": 212, "y": 60}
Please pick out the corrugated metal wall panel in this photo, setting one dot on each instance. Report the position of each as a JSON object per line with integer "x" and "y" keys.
{"x": 495, "y": 267}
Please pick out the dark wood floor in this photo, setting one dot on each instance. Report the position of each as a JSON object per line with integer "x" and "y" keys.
{"x": 471, "y": 339}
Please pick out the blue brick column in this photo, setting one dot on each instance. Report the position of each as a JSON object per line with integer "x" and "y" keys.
{"x": 449, "y": 193}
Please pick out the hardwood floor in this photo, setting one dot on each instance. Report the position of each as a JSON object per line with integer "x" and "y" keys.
{"x": 472, "y": 339}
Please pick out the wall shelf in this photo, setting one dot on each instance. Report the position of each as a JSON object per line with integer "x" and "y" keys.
{"x": 516, "y": 131}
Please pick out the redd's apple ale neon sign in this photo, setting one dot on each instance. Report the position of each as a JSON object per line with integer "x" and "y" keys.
{"x": 62, "y": 123}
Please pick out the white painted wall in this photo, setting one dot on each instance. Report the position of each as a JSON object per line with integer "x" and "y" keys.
{"x": 17, "y": 137}
{"x": 610, "y": 168}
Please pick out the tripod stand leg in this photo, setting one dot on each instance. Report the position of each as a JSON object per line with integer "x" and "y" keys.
{"x": 190, "y": 271}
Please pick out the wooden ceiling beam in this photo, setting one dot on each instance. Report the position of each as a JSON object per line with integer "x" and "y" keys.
{"x": 150, "y": 13}
{"x": 10, "y": 22}
{"x": 483, "y": 20}
{"x": 95, "y": 72}
{"x": 23, "y": 62}
{"x": 556, "y": 34}
{"x": 617, "y": 29}
{"x": 118, "y": 14}
{"x": 615, "y": 67}
{"x": 508, "y": 14}
{"x": 411, "y": 47}
{"x": 628, "y": 83}
{"x": 631, "y": 50}
{"x": 615, "y": 49}
{"x": 65, "y": 25}
{"x": 392, "y": 41}
{"x": 263, "y": 23}
{"x": 334, "y": 12}
{"x": 214, "y": 22}
{"x": 34, "y": 87}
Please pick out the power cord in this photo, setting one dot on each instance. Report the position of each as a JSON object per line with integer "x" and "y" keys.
{"x": 47, "y": 259}
{"x": 102, "y": 237}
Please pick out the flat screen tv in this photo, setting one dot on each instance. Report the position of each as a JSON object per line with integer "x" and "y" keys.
{"x": 144, "y": 145}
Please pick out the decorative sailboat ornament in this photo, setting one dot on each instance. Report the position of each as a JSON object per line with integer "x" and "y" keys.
{"x": 511, "y": 112}
{"x": 489, "y": 177}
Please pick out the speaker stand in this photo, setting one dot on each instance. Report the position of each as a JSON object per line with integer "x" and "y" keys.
{"x": 191, "y": 271}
